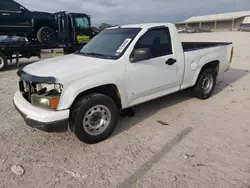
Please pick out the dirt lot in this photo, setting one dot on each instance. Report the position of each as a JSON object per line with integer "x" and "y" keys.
{"x": 206, "y": 144}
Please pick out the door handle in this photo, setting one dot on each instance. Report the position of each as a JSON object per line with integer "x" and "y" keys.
{"x": 5, "y": 14}
{"x": 171, "y": 61}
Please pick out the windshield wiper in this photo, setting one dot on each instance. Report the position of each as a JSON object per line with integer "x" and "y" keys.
{"x": 95, "y": 54}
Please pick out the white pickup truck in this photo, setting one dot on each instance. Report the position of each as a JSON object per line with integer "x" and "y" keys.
{"x": 121, "y": 67}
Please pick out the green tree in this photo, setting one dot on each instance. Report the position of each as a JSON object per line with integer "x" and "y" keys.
{"x": 95, "y": 28}
{"x": 104, "y": 26}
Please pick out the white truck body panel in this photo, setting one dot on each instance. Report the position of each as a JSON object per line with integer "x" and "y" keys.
{"x": 195, "y": 60}
{"x": 38, "y": 114}
{"x": 136, "y": 82}
{"x": 79, "y": 73}
{"x": 152, "y": 78}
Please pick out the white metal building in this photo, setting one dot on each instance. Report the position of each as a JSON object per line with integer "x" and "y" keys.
{"x": 226, "y": 21}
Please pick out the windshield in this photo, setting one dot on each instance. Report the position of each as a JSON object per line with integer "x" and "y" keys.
{"x": 81, "y": 22}
{"x": 110, "y": 43}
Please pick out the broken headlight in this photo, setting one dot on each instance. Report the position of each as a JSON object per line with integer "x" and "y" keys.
{"x": 49, "y": 87}
{"x": 46, "y": 95}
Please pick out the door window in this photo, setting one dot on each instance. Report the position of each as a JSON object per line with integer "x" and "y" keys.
{"x": 158, "y": 41}
{"x": 9, "y": 5}
{"x": 82, "y": 23}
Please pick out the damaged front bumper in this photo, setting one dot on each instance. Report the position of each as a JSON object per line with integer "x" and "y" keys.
{"x": 42, "y": 119}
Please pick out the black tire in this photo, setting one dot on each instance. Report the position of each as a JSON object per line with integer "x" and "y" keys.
{"x": 198, "y": 90}
{"x": 46, "y": 35}
{"x": 3, "y": 62}
{"x": 80, "y": 110}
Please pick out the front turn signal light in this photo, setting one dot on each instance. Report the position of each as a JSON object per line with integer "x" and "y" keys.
{"x": 54, "y": 103}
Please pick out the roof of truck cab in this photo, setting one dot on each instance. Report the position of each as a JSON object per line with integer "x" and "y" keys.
{"x": 142, "y": 25}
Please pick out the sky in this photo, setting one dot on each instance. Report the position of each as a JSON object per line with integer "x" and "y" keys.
{"x": 118, "y": 12}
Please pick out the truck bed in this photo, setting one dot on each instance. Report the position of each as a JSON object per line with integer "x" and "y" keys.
{"x": 191, "y": 46}
{"x": 25, "y": 49}
{"x": 197, "y": 54}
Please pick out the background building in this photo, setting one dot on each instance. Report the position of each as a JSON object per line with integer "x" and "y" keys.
{"x": 226, "y": 21}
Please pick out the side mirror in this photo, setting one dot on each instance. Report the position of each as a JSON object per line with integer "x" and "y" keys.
{"x": 22, "y": 10}
{"x": 140, "y": 54}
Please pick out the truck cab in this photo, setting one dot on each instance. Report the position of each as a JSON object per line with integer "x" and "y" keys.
{"x": 79, "y": 29}
{"x": 121, "y": 67}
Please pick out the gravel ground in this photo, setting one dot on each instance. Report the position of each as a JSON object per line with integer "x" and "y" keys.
{"x": 206, "y": 144}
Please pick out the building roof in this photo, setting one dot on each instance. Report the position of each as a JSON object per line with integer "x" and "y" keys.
{"x": 246, "y": 20}
{"x": 217, "y": 17}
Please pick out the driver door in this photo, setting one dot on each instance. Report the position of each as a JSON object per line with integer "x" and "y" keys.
{"x": 154, "y": 77}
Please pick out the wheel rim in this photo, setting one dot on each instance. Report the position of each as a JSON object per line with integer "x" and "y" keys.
{"x": 1, "y": 62}
{"x": 207, "y": 83}
{"x": 96, "y": 120}
{"x": 47, "y": 35}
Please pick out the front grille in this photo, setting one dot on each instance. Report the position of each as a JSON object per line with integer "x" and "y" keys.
{"x": 21, "y": 86}
{"x": 26, "y": 89}
{"x": 24, "y": 86}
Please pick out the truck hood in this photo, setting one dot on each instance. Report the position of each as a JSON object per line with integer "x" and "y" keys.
{"x": 68, "y": 67}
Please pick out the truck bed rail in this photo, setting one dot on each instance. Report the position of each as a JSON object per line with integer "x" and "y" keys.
{"x": 191, "y": 46}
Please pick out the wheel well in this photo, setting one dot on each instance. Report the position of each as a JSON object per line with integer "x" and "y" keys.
{"x": 213, "y": 64}
{"x": 6, "y": 54}
{"x": 3, "y": 54}
{"x": 109, "y": 90}
{"x": 39, "y": 24}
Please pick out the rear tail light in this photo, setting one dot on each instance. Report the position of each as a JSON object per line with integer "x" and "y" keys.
{"x": 232, "y": 54}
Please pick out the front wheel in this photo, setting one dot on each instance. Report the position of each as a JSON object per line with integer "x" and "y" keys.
{"x": 3, "y": 62}
{"x": 93, "y": 118}
{"x": 205, "y": 84}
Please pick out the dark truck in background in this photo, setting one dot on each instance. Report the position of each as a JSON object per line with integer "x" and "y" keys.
{"x": 43, "y": 27}
{"x": 15, "y": 19}
{"x": 69, "y": 31}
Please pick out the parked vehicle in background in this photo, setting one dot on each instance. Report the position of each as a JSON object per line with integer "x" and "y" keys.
{"x": 43, "y": 27}
{"x": 73, "y": 32}
{"x": 182, "y": 30}
{"x": 207, "y": 29}
{"x": 204, "y": 29}
{"x": 199, "y": 29}
{"x": 86, "y": 90}
{"x": 191, "y": 30}
{"x": 244, "y": 27}
{"x": 15, "y": 19}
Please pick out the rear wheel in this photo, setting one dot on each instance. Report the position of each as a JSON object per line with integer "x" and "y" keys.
{"x": 93, "y": 118}
{"x": 46, "y": 35}
{"x": 205, "y": 84}
{"x": 3, "y": 62}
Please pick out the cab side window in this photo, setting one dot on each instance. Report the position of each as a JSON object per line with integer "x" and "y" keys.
{"x": 158, "y": 41}
{"x": 82, "y": 23}
{"x": 8, "y": 5}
